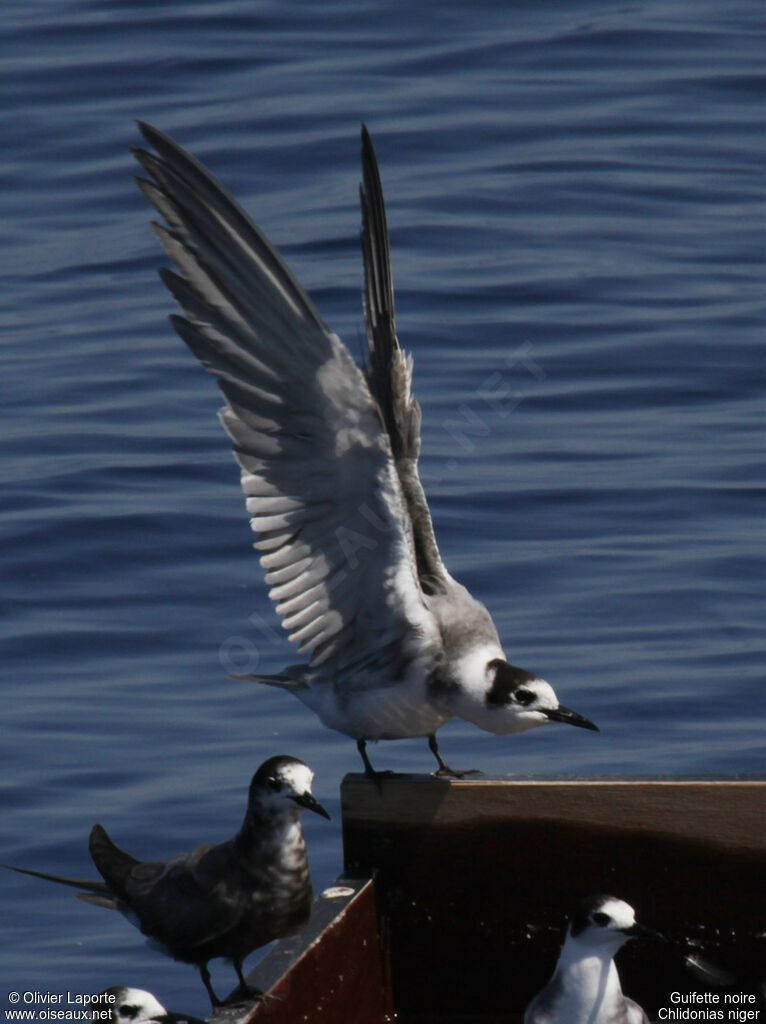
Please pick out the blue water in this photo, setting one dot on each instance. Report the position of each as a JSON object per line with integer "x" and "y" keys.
{"x": 577, "y": 204}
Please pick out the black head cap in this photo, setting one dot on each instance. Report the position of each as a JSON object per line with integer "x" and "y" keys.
{"x": 583, "y": 916}
{"x": 509, "y": 680}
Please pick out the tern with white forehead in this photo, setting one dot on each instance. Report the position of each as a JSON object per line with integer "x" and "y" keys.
{"x": 135, "y": 1006}
{"x": 222, "y": 900}
{"x": 585, "y": 987}
{"x": 328, "y": 456}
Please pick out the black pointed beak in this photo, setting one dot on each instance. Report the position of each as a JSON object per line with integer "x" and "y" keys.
{"x": 562, "y": 714}
{"x": 638, "y": 931}
{"x": 311, "y": 804}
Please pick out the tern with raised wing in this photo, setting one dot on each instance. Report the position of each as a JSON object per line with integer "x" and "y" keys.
{"x": 328, "y": 456}
{"x": 222, "y": 900}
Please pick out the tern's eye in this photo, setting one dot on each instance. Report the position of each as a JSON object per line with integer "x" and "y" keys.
{"x": 601, "y": 919}
{"x": 273, "y": 784}
{"x": 524, "y": 697}
{"x": 127, "y": 1010}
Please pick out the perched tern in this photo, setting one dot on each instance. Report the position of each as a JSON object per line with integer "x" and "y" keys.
{"x": 328, "y": 456}
{"x": 220, "y": 900}
{"x": 585, "y": 987}
{"x": 136, "y": 1006}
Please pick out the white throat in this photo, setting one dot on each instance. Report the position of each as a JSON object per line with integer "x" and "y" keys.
{"x": 590, "y": 986}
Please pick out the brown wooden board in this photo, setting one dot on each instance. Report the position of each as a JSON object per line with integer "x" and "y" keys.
{"x": 477, "y": 878}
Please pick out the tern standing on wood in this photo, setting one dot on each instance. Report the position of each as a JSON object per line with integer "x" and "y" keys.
{"x": 328, "y": 458}
{"x": 223, "y": 900}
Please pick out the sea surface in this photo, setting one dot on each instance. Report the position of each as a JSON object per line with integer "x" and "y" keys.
{"x": 577, "y": 205}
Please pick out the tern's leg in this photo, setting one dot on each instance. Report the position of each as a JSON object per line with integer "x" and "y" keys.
{"x": 240, "y": 976}
{"x": 247, "y": 989}
{"x": 369, "y": 771}
{"x": 205, "y": 975}
{"x": 251, "y": 990}
{"x": 444, "y": 768}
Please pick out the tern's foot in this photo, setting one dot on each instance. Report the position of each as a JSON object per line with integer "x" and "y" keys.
{"x": 369, "y": 771}
{"x": 445, "y": 772}
{"x": 247, "y": 993}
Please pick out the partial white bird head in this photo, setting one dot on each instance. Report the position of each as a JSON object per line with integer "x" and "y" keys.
{"x": 283, "y": 783}
{"x": 601, "y": 924}
{"x": 128, "y": 1005}
{"x": 503, "y": 698}
{"x": 135, "y": 1006}
{"x": 528, "y": 700}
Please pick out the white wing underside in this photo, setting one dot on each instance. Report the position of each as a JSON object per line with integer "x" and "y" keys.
{"x": 316, "y": 466}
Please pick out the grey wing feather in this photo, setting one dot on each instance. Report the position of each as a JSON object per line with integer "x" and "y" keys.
{"x": 316, "y": 465}
{"x": 389, "y": 371}
{"x": 189, "y": 900}
{"x": 113, "y": 863}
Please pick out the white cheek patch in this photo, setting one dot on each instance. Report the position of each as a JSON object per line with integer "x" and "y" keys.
{"x": 297, "y": 777}
{"x": 620, "y": 912}
{"x": 471, "y": 671}
{"x": 545, "y": 694}
{"x": 148, "y": 1006}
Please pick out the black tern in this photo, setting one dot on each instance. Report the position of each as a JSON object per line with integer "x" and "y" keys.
{"x": 328, "y": 458}
{"x": 585, "y": 987}
{"x": 221, "y": 900}
{"x": 136, "y": 1006}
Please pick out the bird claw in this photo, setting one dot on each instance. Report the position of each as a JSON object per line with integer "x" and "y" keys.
{"x": 445, "y": 772}
{"x": 376, "y": 776}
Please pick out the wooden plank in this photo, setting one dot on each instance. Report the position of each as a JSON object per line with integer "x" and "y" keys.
{"x": 726, "y": 811}
{"x": 335, "y": 970}
{"x": 478, "y": 876}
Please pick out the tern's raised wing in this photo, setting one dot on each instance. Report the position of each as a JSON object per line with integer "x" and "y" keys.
{"x": 317, "y": 469}
{"x": 389, "y": 371}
